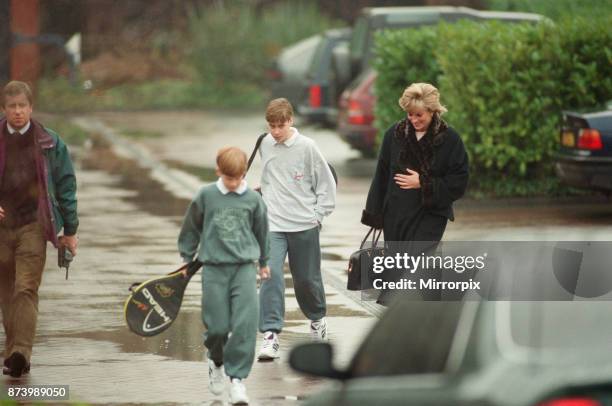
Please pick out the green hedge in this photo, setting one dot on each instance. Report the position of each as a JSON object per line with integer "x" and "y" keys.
{"x": 555, "y": 9}
{"x": 403, "y": 57}
{"x": 505, "y": 87}
{"x": 502, "y": 86}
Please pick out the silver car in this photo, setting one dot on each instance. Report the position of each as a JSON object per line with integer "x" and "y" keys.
{"x": 474, "y": 353}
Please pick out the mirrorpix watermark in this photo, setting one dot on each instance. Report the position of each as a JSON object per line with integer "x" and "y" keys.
{"x": 37, "y": 392}
{"x": 491, "y": 270}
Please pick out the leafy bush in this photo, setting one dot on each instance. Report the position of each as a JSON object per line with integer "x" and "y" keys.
{"x": 59, "y": 96}
{"x": 403, "y": 57}
{"x": 497, "y": 80}
{"x": 72, "y": 134}
{"x": 555, "y": 9}
{"x": 507, "y": 85}
{"x": 232, "y": 45}
{"x": 584, "y": 66}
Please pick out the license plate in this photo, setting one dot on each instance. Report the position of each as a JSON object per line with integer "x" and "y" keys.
{"x": 567, "y": 139}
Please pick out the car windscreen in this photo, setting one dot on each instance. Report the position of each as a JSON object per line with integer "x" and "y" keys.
{"x": 296, "y": 59}
{"x": 408, "y": 19}
{"x": 412, "y": 337}
{"x": 359, "y": 38}
{"x": 601, "y": 121}
{"x": 578, "y": 326}
{"x": 319, "y": 58}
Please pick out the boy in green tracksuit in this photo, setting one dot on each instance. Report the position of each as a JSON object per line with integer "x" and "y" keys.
{"x": 226, "y": 227}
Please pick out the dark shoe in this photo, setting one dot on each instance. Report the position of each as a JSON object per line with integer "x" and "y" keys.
{"x": 17, "y": 365}
{"x": 7, "y": 370}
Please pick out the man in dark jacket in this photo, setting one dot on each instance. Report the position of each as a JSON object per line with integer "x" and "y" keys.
{"x": 37, "y": 200}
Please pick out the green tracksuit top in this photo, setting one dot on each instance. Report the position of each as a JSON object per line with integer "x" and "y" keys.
{"x": 230, "y": 228}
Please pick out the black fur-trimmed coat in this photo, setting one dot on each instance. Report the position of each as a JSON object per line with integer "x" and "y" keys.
{"x": 442, "y": 163}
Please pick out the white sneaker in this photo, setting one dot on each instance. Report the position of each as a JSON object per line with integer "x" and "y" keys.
{"x": 237, "y": 393}
{"x": 270, "y": 346}
{"x": 318, "y": 329}
{"x": 216, "y": 378}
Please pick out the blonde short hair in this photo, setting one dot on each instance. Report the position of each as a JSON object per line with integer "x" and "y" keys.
{"x": 421, "y": 96}
{"x": 279, "y": 111}
{"x": 232, "y": 161}
{"x": 15, "y": 88}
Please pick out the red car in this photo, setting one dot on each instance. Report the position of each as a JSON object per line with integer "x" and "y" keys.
{"x": 356, "y": 114}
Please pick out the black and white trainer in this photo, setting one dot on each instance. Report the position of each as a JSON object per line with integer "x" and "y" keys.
{"x": 270, "y": 347}
{"x": 318, "y": 329}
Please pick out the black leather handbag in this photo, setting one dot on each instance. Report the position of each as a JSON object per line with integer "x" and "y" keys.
{"x": 360, "y": 273}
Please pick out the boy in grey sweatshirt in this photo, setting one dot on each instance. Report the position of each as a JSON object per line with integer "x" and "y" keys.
{"x": 299, "y": 190}
{"x": 226, "y": 227}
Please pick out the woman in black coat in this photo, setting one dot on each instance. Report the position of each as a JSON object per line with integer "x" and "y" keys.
{"x": 422, "y": 169}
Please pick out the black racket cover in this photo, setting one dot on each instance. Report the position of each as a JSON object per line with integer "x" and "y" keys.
{"x": 154, "y": 304}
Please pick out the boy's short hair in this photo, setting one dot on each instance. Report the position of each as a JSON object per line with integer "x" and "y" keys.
{"x": 14, "y": 88}
{"x": 232, "y": 161}
{"x": 279, "y": 111}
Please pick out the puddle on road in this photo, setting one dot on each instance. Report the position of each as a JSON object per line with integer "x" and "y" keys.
{"x": 328, "y": 256}
{"x": 125, "y": 241}
{"x": 151, "y": 196}
{"x": 333, "y": 310}
{"x": 182, "y": 341}
{"x": 587, "y": 211}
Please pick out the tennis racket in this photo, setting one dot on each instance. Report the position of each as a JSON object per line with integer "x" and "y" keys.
{"x": 153, "y": 305}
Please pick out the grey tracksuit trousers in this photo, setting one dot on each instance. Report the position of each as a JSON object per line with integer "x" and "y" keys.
{"x": 304, "y": 253}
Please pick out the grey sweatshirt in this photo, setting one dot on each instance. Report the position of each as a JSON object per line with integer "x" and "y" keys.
{"x": 296, "y": 183}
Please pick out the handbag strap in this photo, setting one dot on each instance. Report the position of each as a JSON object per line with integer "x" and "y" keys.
{"x": 375, "y": 237}
{"x": 257, "y": 144}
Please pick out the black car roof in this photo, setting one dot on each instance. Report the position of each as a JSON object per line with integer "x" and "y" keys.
{"x": 600, "y": 120}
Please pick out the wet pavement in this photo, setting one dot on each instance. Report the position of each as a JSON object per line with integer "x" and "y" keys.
{"x": 132, "y": 194}
{"x": 129, "y": 226}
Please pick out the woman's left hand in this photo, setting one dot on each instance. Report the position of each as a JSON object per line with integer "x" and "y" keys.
{"x": 409, "y": 181}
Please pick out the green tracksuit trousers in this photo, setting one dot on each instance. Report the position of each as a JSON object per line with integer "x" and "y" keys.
{"x": 229, "y": 305}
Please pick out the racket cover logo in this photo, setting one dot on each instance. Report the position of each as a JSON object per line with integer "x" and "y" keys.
{"x": 163, "y": 290}
{"x": 140, "y": 305}
{"x": 146, "y": 326}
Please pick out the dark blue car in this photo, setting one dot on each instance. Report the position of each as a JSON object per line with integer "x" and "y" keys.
{"x": 585, "y": 157}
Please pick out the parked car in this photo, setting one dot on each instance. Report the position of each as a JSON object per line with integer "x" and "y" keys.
{"x": 320, "y": 93}
{"x": 356, "y": 114}
{"x": 584, "y": 159}
{"x": 473, "y": 353}
{"x": 287, "y": 72}
{"x": 357, "y": 103}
